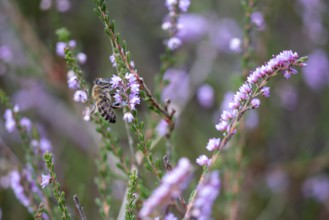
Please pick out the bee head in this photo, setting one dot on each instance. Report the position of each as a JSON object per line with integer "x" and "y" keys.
{"x": 102, "y": 81}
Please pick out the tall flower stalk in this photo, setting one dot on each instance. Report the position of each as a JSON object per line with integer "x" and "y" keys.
{"x": 244, "y": 100}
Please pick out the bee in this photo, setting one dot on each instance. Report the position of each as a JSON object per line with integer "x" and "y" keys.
{"x": 103, "y": 99}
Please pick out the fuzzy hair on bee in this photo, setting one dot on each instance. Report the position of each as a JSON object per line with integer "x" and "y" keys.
{"x": 103, "y": 99}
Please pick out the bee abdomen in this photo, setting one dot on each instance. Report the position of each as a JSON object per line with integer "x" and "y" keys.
{"x": 106, "y": 111}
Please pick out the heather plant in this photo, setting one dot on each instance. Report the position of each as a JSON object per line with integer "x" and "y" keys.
{"x": 81, "y": 141}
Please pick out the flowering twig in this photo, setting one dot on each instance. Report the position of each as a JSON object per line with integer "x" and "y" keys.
{"x": 244, "y": 100}
{"x": 58, "y": 193}
{"x": 131, "y": 196}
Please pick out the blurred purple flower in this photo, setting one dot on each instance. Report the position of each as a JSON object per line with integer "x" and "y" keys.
{"x": 45, "y": 180}
{"x": 45, "y": 145}
{"x": 255, "y": 103}
{"x": 86, "y": 114}
{"x": 162, "y": 128}
{"x": 257, "y": 19}
{"x": 192, "y": 27}
{"x": 235, "y": 45}
{"x": 316, "y": 73}
{"x": 266, "y": 91}
{"x": 277, "y": 180}
{"x": 205, "y": 95}
{"x": 171, "y": 186}
{"x": 223, "y": 32}
{"x": 63, "y": 5}
{"x": 206, "y": 196}
{"x": 72, "y": 43}
{"x": 26, "y": 123}
{"x": 72, "y": 80}
{"x": 112, "y": 60}
{"x": 45, "y": 4}
{"x": 18, "y": 188}
{"x": 6, "y": 54}
{"x": 174, "y": 43}
{"x": 60, "y": 46}
{"x": 317, "y": 187}
{"x": 178, "y": 89}
{"x": 170, "y": 216}
{"x": 80, "y": 96}
{"x": 10, "y": 122}
{"x": 81, "y": 58}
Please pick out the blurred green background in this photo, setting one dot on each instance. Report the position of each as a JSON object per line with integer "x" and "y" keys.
{"x": 286, "y": 155}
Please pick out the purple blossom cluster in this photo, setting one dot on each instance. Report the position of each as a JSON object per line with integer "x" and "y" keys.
{"x": 207, "y": 194}
{"x": 175, "y": 8}
{"x": 245, "y": 98}
{"x": 23, "y": 186}
{"x": 126, "y": 93}
{"x": 171, "y": 187}
{"x": 10, "y": 122}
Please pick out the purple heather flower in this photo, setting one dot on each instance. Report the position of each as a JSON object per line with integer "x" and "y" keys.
{"x": 174, "y": 43}
{"x": 203, "y": 160}
{"x": 112, "y": 59}
{"x": 316, "y": 74}
{"x": 206, "y": 196}
{"x": 10, "y": 122}
{"x": 60, "y": 46}
{"x": 63, "y": 5}
{"x": 81, "y": 58}
{"x": 317, "y": 187}
{"x": 255, "y": 103}
{"x": 205, "y": 95}
{"x": 26, "y": 123}
{"x": 116, "y": 81}
{"x": 266, "y": 91}
{"x": 257, "y": 19}
{"x": 166, "y": 25}
{"x": 213, "y": 144}
{"x": 288, "y": 95}
{"x": 128, "y": 117}
{"x": 235, "y": 45}
{"x": 162, "y": 128}
{"x": 80, "y": 96}
{"x": 170, "y": 216}
{"x": 171, "y": 186}
{"x": 45, "y": 180}
{"x": 72, "y": 80}
{"x": 6, "y": 54}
